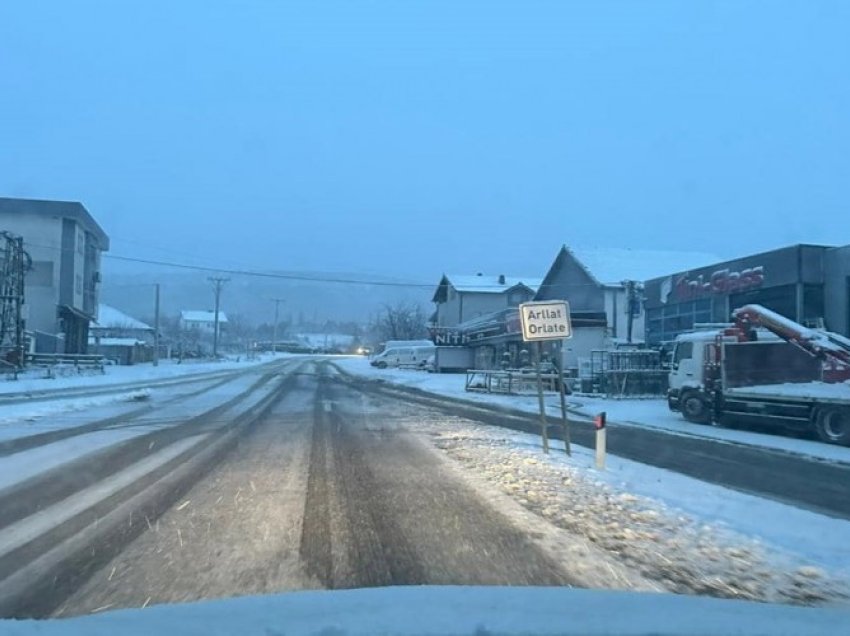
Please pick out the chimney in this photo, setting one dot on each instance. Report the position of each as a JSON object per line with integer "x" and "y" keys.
{"x": 501, "y": 279}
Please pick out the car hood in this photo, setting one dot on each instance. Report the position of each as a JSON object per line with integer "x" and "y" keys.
{"x": 451, "y": 610}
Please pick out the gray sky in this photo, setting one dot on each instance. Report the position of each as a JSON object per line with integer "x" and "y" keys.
{"x": 411, "y": 138}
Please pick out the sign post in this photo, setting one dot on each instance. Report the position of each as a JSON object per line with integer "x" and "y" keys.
{"x": 562, "y": 390}
{"x": 548, "y": 320}
{"x": 544, "y": 429}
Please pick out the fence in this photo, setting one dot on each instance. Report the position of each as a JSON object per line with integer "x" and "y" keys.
{"x": 512, "y": 381}
{"x": 626, "y": 374}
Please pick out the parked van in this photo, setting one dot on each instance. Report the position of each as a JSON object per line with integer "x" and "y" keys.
{"x": 403, "y": 357}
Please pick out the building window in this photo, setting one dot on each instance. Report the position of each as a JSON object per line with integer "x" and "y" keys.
{"x": 79, "y": 283}
{"x": 515, "y": 298}
{"x": 781, "y": 299}
{"x": 663, "y": 324}
{"x": 81, "y": 243}
{"x": 813, "y": 302}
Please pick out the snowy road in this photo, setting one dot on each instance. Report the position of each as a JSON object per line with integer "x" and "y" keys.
{"x": 807, "y": 482}
{"x": 322, "y": 495}
{"x": 333, "y": 484}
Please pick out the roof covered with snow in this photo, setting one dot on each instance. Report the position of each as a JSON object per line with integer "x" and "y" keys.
{"x": 484, "y": 284}
{"x": 196, "y": 315}
{"x": 612, "y": 265}
{"x": 116, "y": 342}
{"x": 112, "y": 318}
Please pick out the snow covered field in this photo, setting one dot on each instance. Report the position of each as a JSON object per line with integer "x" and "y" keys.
{"x": 646, "y": 413}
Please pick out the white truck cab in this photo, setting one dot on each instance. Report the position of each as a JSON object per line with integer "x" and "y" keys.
{"x": 686, "y": 392}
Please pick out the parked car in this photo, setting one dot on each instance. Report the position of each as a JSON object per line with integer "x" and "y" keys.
{"x": 402, "y": 357}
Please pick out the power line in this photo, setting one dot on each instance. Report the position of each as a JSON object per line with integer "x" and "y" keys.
{"x": 249, "y": 272}
{"x": 292, "y": 277}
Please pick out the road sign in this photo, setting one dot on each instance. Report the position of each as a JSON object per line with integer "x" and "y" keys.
{"x": 549, "y": 320}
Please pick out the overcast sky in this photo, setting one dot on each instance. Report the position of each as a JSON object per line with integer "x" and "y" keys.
{"x": 414, "y": 138}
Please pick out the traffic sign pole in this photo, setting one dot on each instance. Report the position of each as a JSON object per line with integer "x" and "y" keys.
{"x": 547, "y": 320}
{"x": 565, "y": 422}
{"x": 543, "y": 424}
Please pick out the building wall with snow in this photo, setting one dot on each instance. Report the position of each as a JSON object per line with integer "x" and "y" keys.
{"x": 584, "y": 341}
{"x": 569, "y": 280}
{"x": 572, "y": 280}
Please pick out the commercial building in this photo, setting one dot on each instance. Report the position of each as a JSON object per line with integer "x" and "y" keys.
{"x": 807, "y": 283}
{"x": 604, "y": 288}
{"x": 64, "y": 244}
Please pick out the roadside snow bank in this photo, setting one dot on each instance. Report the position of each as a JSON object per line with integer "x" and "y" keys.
{"x": 687, "y": 552}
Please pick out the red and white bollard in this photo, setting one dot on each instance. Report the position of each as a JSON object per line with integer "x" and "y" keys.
{"x": 599, "y": 425}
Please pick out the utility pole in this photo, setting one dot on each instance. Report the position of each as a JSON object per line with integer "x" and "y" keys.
{"x": 634, "y": 296}
{"x": 14, "y": 262}
{"x": 156, "y": 326}
{"x": 277, "y": 302}
{"x": 218, "y": 282}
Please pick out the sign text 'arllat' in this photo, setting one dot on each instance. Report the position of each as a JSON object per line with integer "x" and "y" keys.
{"x": 548, "y": 320}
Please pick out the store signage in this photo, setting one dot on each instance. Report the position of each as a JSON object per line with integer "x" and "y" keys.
{"x": 722, "y": 281}
{"x": 448, "y": 337}
{"x": 545, "y": 320}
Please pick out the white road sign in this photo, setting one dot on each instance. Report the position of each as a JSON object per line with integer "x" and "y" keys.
{"x": 549, "y": 320}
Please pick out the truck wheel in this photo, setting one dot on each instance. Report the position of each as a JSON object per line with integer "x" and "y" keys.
{"x": 381, "y": 365}
{"x": 833, "y": 426}
{"x": 694, "y": 408}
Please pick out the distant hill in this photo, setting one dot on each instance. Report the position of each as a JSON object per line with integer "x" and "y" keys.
{"x": 251, "y": 296}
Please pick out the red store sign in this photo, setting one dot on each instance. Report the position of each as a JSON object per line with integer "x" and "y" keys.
{"x": 720, "y": 282}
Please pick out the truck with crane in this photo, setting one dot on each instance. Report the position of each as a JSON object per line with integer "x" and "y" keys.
{"x": 763, "y": 369}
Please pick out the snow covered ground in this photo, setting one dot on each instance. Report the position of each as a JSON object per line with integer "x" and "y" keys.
{"x": 646, "y": 413}
{"x": 35, "y": 417}
{"x": 35, "y": 381}
{"x": 691, "y": 536}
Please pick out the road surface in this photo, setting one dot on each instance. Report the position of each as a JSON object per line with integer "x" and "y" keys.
{"x": 302, "y": 477}
{"x": 322, "y": 494}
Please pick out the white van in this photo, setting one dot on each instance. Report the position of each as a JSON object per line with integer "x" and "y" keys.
{"x": 403, "y": 357}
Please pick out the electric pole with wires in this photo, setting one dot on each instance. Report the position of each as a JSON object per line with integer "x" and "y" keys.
{"x": 218, "y": 282}
{"x": 277, "y": 302}
{"x": 14, "y": 262}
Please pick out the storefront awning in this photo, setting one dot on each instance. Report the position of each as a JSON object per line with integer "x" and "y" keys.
{"x": 76, "y": 313}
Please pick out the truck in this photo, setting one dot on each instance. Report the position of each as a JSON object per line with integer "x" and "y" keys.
{"x": 763, "y": 369}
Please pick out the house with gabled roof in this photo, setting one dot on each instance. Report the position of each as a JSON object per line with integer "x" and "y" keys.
{"x": 460, "y": 298}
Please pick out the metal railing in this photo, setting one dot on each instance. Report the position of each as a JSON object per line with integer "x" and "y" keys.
{"x": 509, "y": 381}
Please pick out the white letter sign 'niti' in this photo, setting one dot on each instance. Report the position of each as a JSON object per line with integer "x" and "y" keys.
{"x": 549, "y": 320}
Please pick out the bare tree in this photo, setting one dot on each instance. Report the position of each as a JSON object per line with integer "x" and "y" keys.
{"x": 402, "y": 321}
